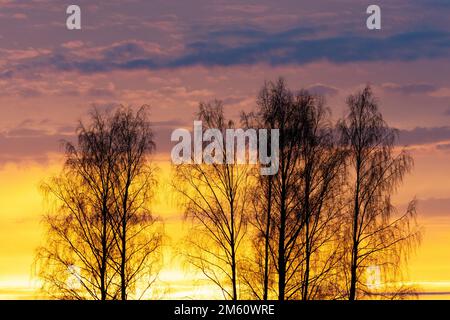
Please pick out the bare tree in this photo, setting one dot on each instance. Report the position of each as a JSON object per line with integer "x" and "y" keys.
{"x": 377, "y": 235}
{"x": 80, "y": 239}
{"x": 296, "y": 213}
{"x": 321, "y": 175}
{"x": 137, "y": 233}
{"x": 215, "y": 199}
{"x": 276, "y": 206}
{"x": 98, "y": 237}
{"x": 277, "y": 109}
{"x": 258, "y": 268}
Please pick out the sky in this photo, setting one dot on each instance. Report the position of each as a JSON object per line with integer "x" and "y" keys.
{"x": 173, "y": 54}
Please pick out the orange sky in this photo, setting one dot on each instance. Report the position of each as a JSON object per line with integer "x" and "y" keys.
{"x": 21, "y": 233}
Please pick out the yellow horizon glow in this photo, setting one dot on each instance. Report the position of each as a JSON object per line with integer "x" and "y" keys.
{"x": 21, "y": 233}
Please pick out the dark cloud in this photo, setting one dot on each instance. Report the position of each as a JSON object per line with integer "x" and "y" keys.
{"x": 28, "y": 145}
{"x": 415, "y": 88}
{"x": 231, "y": 36}
{"x": 243, "y": 33}
{"x": 443, "y": 4}
{"x": 33, "y": 140}
{"x": 276, "y": 49}
{"x": 443, "y": 146}
{"x": 424, "y": 135}
{"x": 26, "y": 133}
{"x": 434, "y": 207}
{"x": 124, "y": 51}
{"x": 62, "y": 62}
{"x": 293, "y": 46}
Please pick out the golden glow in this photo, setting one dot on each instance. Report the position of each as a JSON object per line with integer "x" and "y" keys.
{"x": 20, "y": 230}
{"x": 21, "y": 233}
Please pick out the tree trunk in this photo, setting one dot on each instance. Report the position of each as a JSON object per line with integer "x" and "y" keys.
{"x": 233, "y": 249}
{"x": 103, "y": 290}
{"x": 123, "y": 281}
{"x": 281, "y": 250}
{"x": 307, "y": 240}
{"x": 266, "y": 238}
{"x": 354, "y": 262}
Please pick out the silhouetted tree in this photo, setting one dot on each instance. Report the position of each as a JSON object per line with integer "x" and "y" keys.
{"x": 321, "y": 175}
{"x": 258, "y": 270}
{"x": 215, "y": 198}
{"x": 296, "y": 212}
{"x": 277, "y": 109}
{"x": 99, "y": 242}
{"x": 376, "y": 236}
{"x": 137, "y": 240}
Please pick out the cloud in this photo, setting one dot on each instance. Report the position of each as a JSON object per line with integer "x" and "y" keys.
{"x": 23, "y": 54}
{"x": 444, "y": 4}
{"x": 434, "y": 207}
{"x": 33, "y": 140}
{"x": 443, "y": 146}
{"x": 246, "y": 47}
{"x": 285, "y": 48}
{"x": 413, "y": 88}
{"x": 72, "y": 44}
{"x": 131, "y": 50}
{"x": 322, "y": 89}
{"x": 28, "y": 145}
{"x": 25, "y": 133}
{"x": 421, "y": 135}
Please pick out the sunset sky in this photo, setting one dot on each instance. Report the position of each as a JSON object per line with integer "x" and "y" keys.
{"x": 173, "y": 54}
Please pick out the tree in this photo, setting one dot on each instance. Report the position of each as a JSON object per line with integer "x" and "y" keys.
{"x": 258, "y": 268}
{"x": 276, "y": 109}
{"x": 321, "y": 175}
{"x": 99, "y": 237}
{"x": 137, "y": 241}
{"x": 376, "y": 236}
{"x": 215, "y": 199}
{"x": 296, "y": 212}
